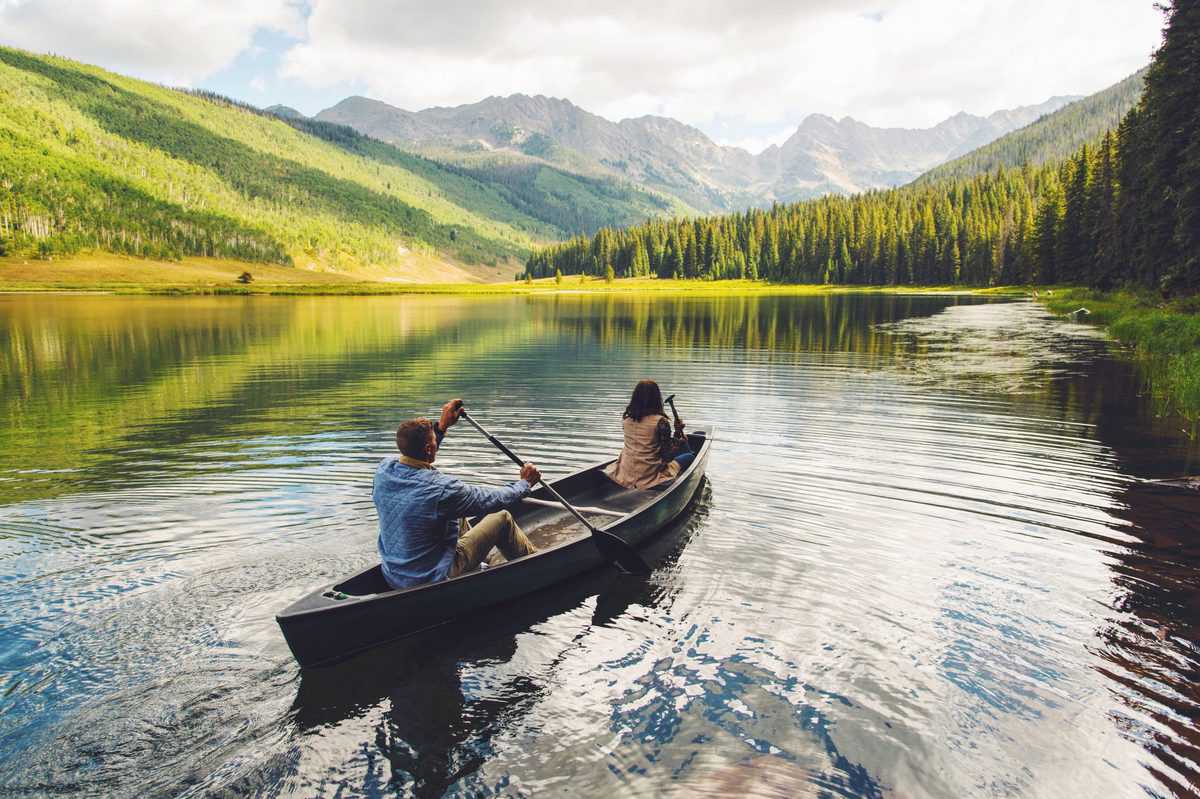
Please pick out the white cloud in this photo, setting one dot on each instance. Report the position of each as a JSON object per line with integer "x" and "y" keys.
{"x": 891, "y": 62}
{"x": 177, "y": 42}
{"x": 742, "y": 71}
{"x": 755, "y": 143}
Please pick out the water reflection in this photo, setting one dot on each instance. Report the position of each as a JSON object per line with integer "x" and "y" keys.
{"x": 926, "y": 565}
{"x": 1150, "y": 641}
{"x": 432, "y": 735}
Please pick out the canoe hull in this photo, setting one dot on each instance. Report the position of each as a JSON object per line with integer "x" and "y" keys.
{"x": 322, "y": 629}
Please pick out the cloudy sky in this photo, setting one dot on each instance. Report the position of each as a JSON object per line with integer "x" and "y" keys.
{"x": 744, "y": 72}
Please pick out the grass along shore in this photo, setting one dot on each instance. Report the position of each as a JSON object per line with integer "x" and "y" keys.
{"x": 114, "y": 274}
{"x": 125, "y": 274}
{"x": 1164, "y": 336}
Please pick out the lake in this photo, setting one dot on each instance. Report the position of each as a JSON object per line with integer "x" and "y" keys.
{"x": 926, "y": 562}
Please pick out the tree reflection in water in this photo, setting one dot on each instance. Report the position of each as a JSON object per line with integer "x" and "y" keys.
{"x": 1153, "y": 645}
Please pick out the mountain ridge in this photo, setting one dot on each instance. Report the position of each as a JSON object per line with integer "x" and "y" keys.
{"x": 823, "y": 155}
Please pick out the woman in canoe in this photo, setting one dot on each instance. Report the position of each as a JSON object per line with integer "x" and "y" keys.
{"x": 651, "y": 455}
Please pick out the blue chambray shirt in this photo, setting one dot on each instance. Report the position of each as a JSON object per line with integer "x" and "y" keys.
{"x": 419, "y": 511}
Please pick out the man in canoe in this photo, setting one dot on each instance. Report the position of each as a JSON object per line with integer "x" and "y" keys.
{"x": 421, "y": 539}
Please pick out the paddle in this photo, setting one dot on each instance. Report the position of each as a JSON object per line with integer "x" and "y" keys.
{"x": 671, "y": 401}
{"x": 611, "y": 547}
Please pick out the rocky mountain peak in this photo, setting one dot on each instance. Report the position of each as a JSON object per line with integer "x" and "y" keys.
{"x": 823, "y": 155}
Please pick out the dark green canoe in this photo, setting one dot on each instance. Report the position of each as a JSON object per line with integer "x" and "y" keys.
{"x": 348, "y": 616}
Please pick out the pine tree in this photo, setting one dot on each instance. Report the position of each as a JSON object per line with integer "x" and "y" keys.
{"x": 845, "y": 265}
{"x": 1173, "y": 130}
{"x": 691, "y": 255}
{"x": 1046, "y": 237}
{"x": 641, "y": 262}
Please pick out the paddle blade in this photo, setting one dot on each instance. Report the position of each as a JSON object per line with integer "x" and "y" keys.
{"x": 617, "y": 551}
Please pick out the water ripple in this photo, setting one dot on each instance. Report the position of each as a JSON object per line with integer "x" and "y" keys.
{"x": 924, "y": 563}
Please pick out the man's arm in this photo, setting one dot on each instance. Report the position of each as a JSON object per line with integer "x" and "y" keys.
{"x": 461, "y": 500}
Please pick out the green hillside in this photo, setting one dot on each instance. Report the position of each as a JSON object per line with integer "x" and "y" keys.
{"x": 90, "y": 160}
{"x": 570, "y": 203}
{"x": 1052, "y": 138}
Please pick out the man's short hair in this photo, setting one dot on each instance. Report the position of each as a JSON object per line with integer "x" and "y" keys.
{"x": 413, "y": 436}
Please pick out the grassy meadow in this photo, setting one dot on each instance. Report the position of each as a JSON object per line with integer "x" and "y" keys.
{"x": 117, "y": 274}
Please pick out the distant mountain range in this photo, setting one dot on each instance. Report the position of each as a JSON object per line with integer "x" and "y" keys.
{"x": 823, "y": 156}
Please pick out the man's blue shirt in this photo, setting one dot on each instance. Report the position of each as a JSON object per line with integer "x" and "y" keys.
{"x": 419, "y": 509}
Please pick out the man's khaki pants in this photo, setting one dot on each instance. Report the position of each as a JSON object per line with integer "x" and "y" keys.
{"x": 494, "y": 530}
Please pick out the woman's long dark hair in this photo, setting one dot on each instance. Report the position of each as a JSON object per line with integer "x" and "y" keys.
{"x": 646, "y": 401}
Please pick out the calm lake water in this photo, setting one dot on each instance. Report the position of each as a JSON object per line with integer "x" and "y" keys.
{"x": 925, "y": 563}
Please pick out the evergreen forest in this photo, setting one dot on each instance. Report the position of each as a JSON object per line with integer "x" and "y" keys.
{"x": 1122, "y": 209}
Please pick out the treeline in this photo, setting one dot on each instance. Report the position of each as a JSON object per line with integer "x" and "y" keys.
{"x": 977, "y": 231}
{"x": 1124, "y": 210}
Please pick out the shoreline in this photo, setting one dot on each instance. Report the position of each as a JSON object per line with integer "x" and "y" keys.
{"x": 1163, "y": 337}
{"x": 545, "y": 287}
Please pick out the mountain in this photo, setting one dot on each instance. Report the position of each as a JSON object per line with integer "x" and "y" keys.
{"x": 95, "y": 161}
{"x": 1051, "y": 138}
{"x": 285, "y": 111}
{"x": 823, "y": 155}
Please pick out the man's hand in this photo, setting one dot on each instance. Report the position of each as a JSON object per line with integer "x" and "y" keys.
{"x": 450, "y": 412}
{"x": 678, "y": 426}
{"x": 530, "y": 474}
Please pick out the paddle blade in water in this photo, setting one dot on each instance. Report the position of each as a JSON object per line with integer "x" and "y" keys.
{"x": 617, "y": 551}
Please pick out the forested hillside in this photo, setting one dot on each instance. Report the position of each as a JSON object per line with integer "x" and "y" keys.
{"x": 1052, "y": 138}
{"x": 977, "y": 231}
{"x": 1125, "y": 209}
{"x": 90, "y": 160}
{"x": 569, "y": 202}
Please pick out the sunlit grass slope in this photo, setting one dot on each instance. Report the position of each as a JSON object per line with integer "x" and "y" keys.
{"x": 90, "y": 160}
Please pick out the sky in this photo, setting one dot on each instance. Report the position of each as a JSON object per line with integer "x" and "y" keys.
{"x": 745, "y": 73}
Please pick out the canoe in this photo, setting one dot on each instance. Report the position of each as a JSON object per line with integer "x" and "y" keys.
{"x": 343, "y": 618}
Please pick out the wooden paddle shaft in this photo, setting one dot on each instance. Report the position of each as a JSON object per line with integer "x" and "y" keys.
{"x": 671, "y": 401}
{"x": 513, "y": 457}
